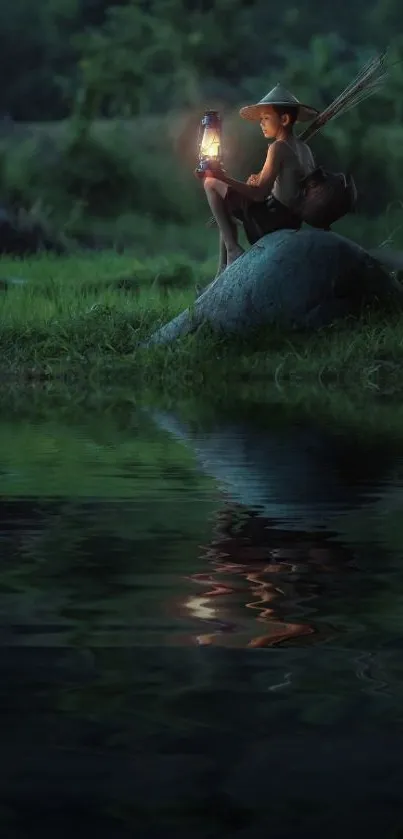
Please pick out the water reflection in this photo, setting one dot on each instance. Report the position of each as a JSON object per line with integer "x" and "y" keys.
{"x": 115, "y": 556}
{"x": 295, "y": 473}
{"x": 264, "y": 580}
{"x": 280, "y": 568}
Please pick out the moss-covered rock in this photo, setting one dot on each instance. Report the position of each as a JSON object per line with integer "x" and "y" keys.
{"x": 307, "y": 278}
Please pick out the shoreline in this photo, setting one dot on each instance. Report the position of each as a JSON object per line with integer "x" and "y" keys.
{"x": 79, "y": 319}
{"x": 368, "y": 413}
{"x": 367, "y": 354}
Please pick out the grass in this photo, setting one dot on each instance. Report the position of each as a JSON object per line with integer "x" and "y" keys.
{"x": 84, "y": 316}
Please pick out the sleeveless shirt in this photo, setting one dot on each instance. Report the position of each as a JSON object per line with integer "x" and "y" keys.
{"x": 298, "y": 162}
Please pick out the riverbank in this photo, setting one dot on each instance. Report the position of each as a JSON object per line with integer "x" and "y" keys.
{"x": 85, "y": 315}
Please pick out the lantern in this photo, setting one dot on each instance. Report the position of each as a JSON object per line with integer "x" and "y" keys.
{"x": 209, "y": 141}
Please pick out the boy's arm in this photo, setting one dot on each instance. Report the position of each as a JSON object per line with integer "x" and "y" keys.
{"x": 266, "y": 178}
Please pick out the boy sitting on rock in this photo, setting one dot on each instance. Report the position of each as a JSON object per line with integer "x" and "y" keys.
{"x": 265, "y": 202}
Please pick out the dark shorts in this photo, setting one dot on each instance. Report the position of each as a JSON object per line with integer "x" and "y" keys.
{"x": 260, "y": 217}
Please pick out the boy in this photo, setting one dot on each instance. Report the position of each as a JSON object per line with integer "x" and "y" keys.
{"x": 265, "y": 202}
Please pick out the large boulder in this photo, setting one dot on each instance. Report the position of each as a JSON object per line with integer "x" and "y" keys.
{"x": 306, "y": 279}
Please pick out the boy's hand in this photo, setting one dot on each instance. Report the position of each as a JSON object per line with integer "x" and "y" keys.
{"x": 253, "y": 180}
{"x": 215, "y": 170}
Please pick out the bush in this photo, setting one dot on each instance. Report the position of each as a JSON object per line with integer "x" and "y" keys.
{"x": 105, "y": 173}
{"x": 98, "y": 178}
{"x": 22, "y": 173}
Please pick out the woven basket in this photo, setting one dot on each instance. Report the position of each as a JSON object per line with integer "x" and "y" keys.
{"x": 326, "y": 197}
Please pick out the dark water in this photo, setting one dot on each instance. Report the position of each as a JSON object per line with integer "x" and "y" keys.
{"x": 201, "y": 624}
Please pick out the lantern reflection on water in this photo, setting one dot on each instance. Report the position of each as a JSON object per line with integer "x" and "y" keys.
{"x": 210, "y": 152}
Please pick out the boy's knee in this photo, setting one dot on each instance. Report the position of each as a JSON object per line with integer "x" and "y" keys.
{"x": 210, "y": 183}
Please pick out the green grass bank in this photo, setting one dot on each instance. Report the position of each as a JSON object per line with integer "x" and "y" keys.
{"x": 84, "y": 316}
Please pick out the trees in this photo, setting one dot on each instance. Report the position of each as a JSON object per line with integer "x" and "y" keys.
{"x": 147, "y": 58}
{"x": 134, "y": 56}
{"x": 135, "y": 61}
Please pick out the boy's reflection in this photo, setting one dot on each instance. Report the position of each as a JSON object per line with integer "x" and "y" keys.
{"x": 273, "y": 573}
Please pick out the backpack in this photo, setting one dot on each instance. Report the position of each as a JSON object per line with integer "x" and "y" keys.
{"x": 326, "y": 197}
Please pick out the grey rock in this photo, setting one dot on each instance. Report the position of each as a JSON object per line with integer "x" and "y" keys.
{"x": 305, "y": 279}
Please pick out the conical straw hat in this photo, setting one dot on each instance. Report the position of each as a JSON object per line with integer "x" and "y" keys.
{"x": 278, "y": 96}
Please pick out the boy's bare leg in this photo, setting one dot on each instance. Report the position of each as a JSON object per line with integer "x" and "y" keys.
{"x": 222, "y": 257}
{"x": 216, "y": 192}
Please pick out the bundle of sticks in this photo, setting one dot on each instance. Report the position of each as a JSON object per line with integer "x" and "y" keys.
{"x": 368, "y": 81}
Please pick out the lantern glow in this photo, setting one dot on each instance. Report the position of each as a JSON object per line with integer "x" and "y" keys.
{"x": 210, "y": 144}
{"x": 209, "y": 141}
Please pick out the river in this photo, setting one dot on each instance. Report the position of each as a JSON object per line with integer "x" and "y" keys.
{"x": 201, "y": 617}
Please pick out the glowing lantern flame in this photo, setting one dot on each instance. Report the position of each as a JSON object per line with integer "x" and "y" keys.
{"x": 209, "y": 140}
{"x": 210, "y": 144}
